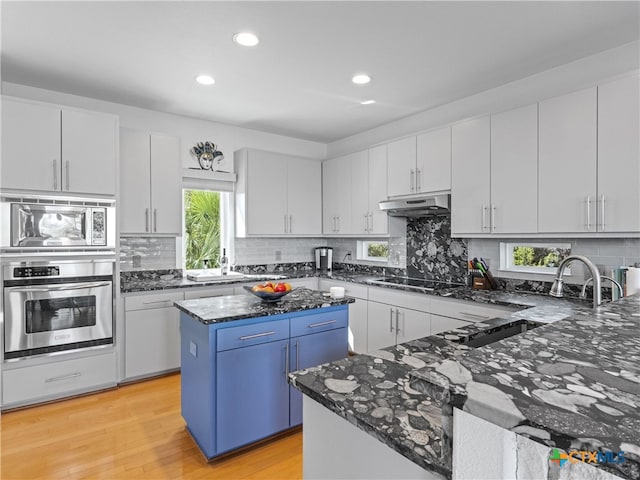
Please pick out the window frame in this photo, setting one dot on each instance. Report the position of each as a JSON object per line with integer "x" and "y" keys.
{"x": 363, "y": 251}
{"x": 506, "y": 257}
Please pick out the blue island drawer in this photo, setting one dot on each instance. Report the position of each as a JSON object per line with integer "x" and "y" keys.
{"x": 319, "y": 322}
{"x": 247, "y": 335}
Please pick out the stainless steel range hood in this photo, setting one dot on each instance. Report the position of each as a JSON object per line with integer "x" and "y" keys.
{"x": 418, "y": 206}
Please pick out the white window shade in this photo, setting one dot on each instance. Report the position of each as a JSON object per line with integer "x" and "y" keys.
{"x": 195, "y": 179}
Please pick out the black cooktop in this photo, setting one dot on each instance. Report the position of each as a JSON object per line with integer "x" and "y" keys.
{"x": 416, "y": 283}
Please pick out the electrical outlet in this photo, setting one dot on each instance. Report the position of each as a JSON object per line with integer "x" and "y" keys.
{"x": 137, "y": 261}
{"x": 278, "y": 255}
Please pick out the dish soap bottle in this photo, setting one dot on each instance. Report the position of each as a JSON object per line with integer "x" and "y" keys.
{"x": 224, "y": 262}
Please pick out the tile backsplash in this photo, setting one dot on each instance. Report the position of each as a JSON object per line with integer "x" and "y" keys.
{"x": 255, "y": 251}
{"x": 149, "y": 253}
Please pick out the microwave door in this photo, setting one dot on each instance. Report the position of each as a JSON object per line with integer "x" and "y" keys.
{"x": 46, "y": 225}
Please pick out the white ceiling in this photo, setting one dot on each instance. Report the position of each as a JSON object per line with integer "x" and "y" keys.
{"x": 297, "y": 81}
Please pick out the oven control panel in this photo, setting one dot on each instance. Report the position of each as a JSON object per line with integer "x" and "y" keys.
{"x": 28, "y": 272}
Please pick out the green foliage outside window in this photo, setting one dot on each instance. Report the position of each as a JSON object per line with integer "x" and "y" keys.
{"x": 539, "y": 256}
{"x": 378, "y": 250}
{"x": 202, "y": 228}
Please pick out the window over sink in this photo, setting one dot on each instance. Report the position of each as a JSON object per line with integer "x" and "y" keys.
{"x": 533, "y": 257}
{"x": 373, "y": 250}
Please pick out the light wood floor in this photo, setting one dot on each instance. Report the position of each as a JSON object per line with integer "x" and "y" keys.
{"x": 134, "y": 432}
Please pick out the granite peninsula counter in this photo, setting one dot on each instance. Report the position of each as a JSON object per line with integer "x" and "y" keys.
{"x": 573, "y": 384}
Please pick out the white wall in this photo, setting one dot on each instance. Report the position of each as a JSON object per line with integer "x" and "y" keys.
{"x": 228, "y": 138}
{"x": 566, "y": 78}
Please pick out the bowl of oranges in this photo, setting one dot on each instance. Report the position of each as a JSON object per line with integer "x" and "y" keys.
{"x": 269, "y": 291}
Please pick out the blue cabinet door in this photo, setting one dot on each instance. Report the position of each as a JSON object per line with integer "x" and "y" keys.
{"x": 309, "y": 351}
{"x": 252, "y": 394}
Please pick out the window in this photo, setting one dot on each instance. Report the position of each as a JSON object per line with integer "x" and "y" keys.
{"x": 373, "y": 250}
{"x": 203, "y": 221}
{"x": 533, "y": 257}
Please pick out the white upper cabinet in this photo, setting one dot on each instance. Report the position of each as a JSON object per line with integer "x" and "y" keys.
{"x": 567, "y": 163}
{"x": 433, "y": 161}
{"x": 50, "y": 148}
{"x": 618, "y": 202}
{"x": 150, "y": 183}
{"x": 401, "y": 167}
{"x": 514, "y": 171}
{"x": 336, "y": 195}
{"x": 471, "y": 177}
{"x": 277, "y": 194}
{"x": 353, "y": 186}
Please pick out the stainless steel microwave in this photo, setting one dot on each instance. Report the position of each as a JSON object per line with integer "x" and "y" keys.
{"x": 54, "y": 223}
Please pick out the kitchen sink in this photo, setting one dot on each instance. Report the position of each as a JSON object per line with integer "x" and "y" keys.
{"x": 481, "y": 339}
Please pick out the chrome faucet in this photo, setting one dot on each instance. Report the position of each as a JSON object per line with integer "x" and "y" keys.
{"x": 583, "y": 293}
{"x": 556, "y": 288}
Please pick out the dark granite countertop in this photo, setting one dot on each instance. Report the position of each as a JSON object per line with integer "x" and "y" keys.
{"x": 572, "y": 384}
{"x": 238, "y": 307}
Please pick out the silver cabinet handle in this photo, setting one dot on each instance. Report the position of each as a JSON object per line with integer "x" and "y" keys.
{"x": 159, "y": 302}
{"x": 602, "y": 218}
{"x": 155, "y": 220}
{"x": 588, "y": 213}
{"x": 297, "y": 354}
{"x": 257, "y": 335}
{"x": 391, "y": 320}
{"x": 371, "y": 222}
{"x": 290, "y": 223}
{"x": 146, "y": 219}
{"x": 397, "y": 321}
{"x": 366, "y": 222}
{"x": 63, "y": 377}
{"x": 484, "y": 217}
{"x": 285, "y": 223}
{"x": 476, "y": 315}
{"x": 412, "y": 175}
{"x": 55, "y": 174}
{"x": 493, "y": 217}
{"x": 418, "y": 182}
{"x": 286, "y": 361}
{"x": 321, "y": 324}
{"x": 338, "y": 223}
{"x": 66, "y": 167}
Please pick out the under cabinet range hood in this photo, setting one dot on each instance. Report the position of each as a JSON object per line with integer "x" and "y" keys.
{"x": 418, "y": 206}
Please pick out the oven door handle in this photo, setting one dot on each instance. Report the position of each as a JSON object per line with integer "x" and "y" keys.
{"x": 60, "y": 287}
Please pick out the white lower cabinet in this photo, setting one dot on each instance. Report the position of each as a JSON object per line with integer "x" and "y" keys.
{"x": 389, "y": 325}
{"x": 358, "y": 312}
{"x": 57, "y": 379}
{"x": 152, "y": 334}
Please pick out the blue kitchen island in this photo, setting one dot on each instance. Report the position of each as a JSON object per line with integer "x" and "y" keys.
{"x": 236, "y": 354}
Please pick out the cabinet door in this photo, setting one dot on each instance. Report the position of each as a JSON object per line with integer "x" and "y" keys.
{"x": 310, "y": 351}
{"x": 378, "y": 220}
{"x": 401, "y": 164}
{"x": 152, "y": 341}
{"x": 266, "y": 193}
{"x": 567, "y": 163}
{"x": 381, "y": 330}
{"x": 166, "y": 187}
{"x": 89, "y": 156}
{"x": 329, "y": 196}
{"x": 443, "y": 324}
{"x": 470, "y": 176}
{"x": 514, "y": 171}
{"x": 30, "y": 146}
{"x": 412, "y": 324}
{"x": 135, "y": 182}
{"x": 304, "y": 201}
{"x": 433, "y": 169}
{"x": 619, "y": 156}
{"x": 358, "y": 326}
{"x": 252, "y": 394}
{"x": 359, "y": 163}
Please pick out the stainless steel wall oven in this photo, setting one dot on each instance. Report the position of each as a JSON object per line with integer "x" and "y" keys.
{"x": 57, "y": 305}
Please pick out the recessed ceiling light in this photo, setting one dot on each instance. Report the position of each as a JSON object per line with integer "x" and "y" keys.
{"x": 205, "y": 80}
{"x": 367, "y": 102}
{"x": 246, "y": 39}
{"x": 361, "y": 79}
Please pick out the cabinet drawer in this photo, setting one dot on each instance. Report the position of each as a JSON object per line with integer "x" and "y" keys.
{"x": 59, "y": 379}
{"x": 350, "y": 289}
{"x": 414, "y": 301}
{"x": 155, "y": 300}
{"x": 469, "y": 311}
{"x": 320, "y": 322}
{"x": 247, "y": 335}
{"x": 192, "y": 293}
